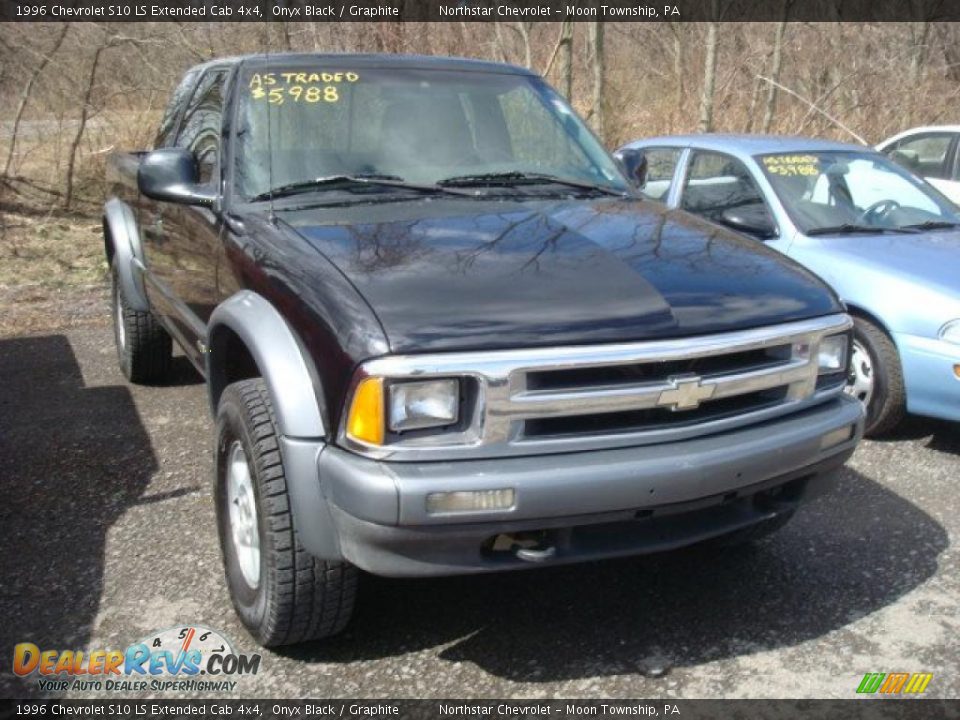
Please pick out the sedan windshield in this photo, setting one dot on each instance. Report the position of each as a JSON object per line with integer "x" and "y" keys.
{"x": 421, "y": 128}
{"x": 844, "y": 192}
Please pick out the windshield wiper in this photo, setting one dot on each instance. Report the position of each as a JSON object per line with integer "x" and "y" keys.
{"x": 931, "y": 225}
{"x": 335, "y": 181}
{"x": 507, "y": 179}
{"x": 852, "y": 229}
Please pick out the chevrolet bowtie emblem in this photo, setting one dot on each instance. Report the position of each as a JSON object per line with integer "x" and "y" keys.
{"x": 686, "y": 394}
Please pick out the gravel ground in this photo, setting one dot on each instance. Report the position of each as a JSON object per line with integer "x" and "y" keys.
{"x": 109, "y": 534}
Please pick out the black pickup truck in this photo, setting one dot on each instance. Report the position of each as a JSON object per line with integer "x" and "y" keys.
{"x": 443, "y": 333}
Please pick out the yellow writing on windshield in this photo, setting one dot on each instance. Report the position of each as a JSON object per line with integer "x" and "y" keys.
{"x": 787, "y": 165}
{"x": 296, "y": 86}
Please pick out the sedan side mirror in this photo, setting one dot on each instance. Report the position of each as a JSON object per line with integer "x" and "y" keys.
{"x": 753, "y": 219}
{"x": 633, "y": 162}
{"x": 171, "y": 175}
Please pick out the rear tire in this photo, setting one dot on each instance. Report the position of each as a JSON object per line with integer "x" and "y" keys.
{"x": 144, "y": 349}
{"x": 281, "y": 593}
{"x": 875, "y": 358}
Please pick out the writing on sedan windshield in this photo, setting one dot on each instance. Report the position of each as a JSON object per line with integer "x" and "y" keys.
{"x": 310, "y": 87}
{"x": 789, "y": 165}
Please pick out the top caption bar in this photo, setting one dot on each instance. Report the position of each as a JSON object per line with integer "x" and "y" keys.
{"x": 479, "y": 10}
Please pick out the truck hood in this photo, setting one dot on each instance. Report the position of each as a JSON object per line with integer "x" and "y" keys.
{"x": 444, "y": 273}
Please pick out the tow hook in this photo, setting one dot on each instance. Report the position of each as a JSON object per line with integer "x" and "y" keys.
{"x": 532, "y": 546}
{"x": 537, "y": 554}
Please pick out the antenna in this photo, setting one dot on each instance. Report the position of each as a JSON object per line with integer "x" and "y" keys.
{"x": 272, "y": 217}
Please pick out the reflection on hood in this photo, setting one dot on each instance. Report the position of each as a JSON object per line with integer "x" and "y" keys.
{"x": 444, "y": 274}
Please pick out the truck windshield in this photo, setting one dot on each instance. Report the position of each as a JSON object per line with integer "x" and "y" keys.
{"x": 419, "y": 125}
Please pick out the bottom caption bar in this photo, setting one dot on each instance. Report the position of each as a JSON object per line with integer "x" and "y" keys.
{"x": 370, "y": 709}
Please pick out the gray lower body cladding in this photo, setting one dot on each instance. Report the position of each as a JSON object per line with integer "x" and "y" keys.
{"x": 588, "y": 505}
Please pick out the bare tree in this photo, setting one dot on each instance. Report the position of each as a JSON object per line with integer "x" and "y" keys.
{"x": 596, "y": 42}
{"x": 709, "y": 75}
{"x": 919, "y": 36}
{"x": 775, "y": 68}
{"x": 564, "y": 51}
{"x": 86, "y": 106}
{"x": 82, "y": 124}
{"x": 523, "y": 30}
{"x": 285, "y": 35}
{"x": 25, "y": 96}
{"x": 501, "y": 42}
{"x": 678, "y": 69}
{"x": 519, "y": 30}
{"x": 946, "y": 32}
{"x": 823, "y": 113}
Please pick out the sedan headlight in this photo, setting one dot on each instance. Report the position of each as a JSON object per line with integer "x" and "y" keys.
{"x": 951, "y": 332}
{"x": 413, "y": 405}
{"x": 832, "y": 356}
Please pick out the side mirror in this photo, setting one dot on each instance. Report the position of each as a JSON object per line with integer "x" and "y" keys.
{"x": 171, "y": 175}
{"x": 751, "y": 219}
{"x": 634, "y": 165}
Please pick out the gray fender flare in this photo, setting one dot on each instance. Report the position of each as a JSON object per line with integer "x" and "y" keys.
{"x": 286, "y": 371}
{"x": 124, "y": 237}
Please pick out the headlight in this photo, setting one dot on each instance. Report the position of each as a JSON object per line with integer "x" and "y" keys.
{"x": 951, "y": 332}
{"x": 832, "y": 356}
{"x": 414, "y": 405}
{"x": 424, "y": 404}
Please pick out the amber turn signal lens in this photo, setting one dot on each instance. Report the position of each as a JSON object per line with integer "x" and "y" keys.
{"x": 365, "y": 421}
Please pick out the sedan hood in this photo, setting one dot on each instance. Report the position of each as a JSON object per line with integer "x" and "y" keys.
{"x": 462, "y": 274}
{"x": 930, "y": 258}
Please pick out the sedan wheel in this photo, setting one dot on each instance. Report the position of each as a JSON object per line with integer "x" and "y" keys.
{"x": 861, "y": 381}
{"x": 876, "y": 377}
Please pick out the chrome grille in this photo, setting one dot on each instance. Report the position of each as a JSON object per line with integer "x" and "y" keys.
{"x": 586, "y": 397}
{"x": 651, "y": 418}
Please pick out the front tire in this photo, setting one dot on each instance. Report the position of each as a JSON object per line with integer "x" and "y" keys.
{"x": 282, "y": 594}
{"x": 144, "y": 349}
{"x": 876, "y": 378}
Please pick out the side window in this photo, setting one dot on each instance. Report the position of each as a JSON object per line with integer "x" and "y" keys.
{"x": 168, "y": 124}
{"x": 925, "y": 155}
{"x": 661, "y": 167}
{"x": 200, "y": 129}
{"x": 716, "y": 183}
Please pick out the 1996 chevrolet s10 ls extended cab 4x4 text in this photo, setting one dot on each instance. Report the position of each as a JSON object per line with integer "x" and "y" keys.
{"x": 443, "y": 334}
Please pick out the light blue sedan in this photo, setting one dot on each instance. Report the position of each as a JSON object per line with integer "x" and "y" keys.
{"x": 887, "y": 241}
